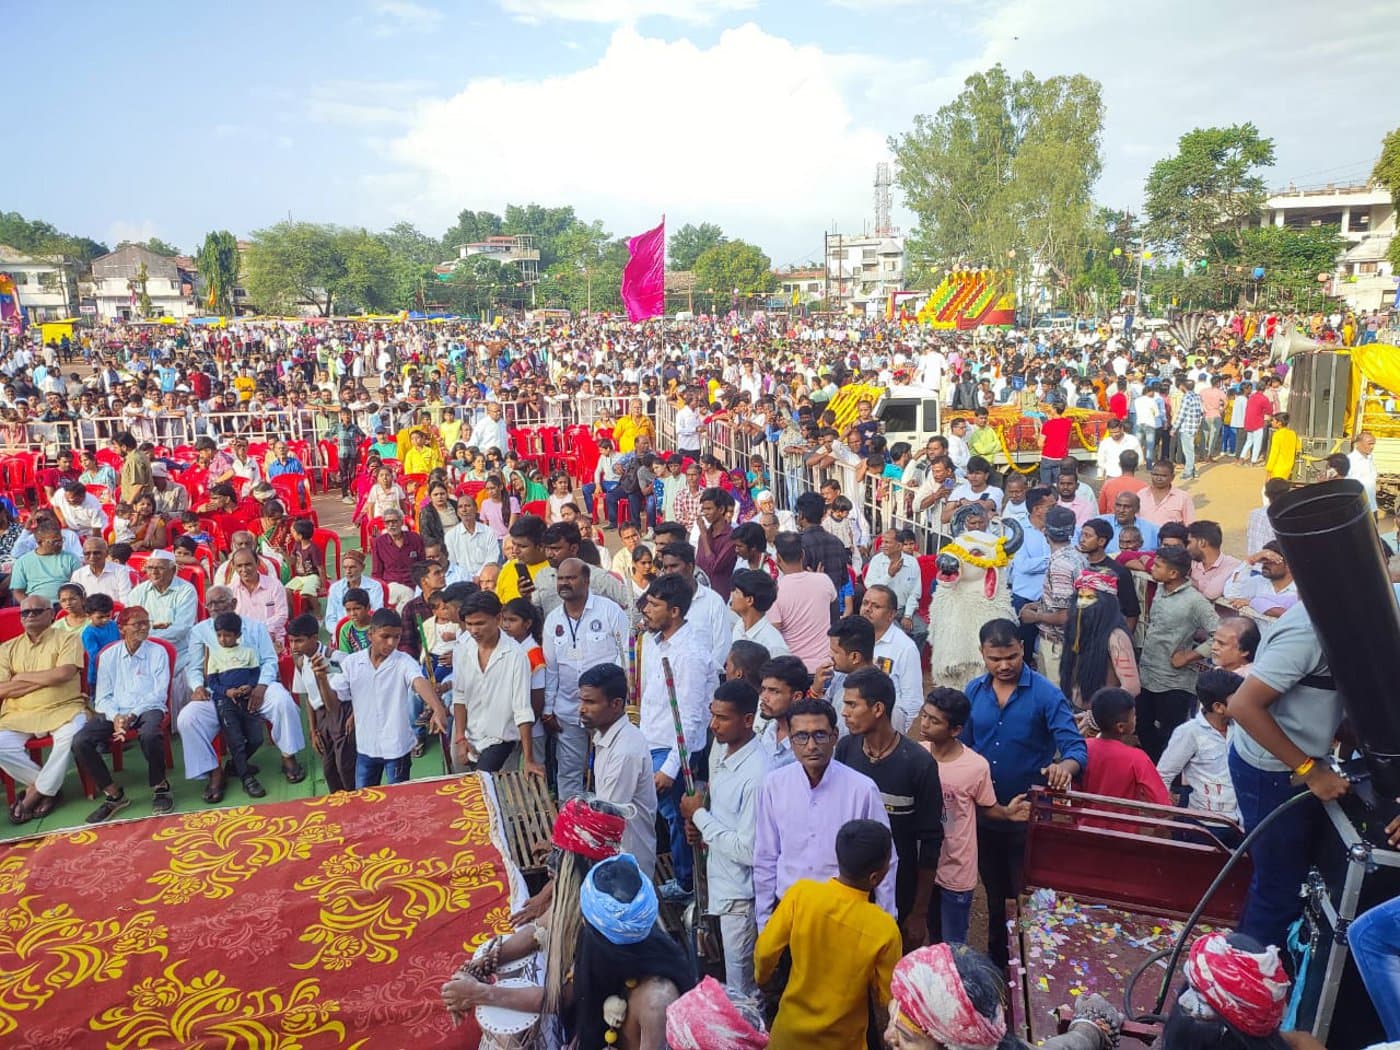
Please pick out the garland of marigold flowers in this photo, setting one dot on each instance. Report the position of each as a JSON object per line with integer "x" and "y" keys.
{"x": 1006, "y": 451}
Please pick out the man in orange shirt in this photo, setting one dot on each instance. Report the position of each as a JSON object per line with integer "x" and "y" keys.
{"x": 1128, "y": 481}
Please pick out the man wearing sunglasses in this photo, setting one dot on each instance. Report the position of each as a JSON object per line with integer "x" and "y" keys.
{"x": 801, "y": 807}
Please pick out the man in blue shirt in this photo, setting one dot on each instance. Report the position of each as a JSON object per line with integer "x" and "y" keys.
{"x": 1032, "y": 559}
{"x": 1021, "y": 724}
{"x": 1125, "y": 513}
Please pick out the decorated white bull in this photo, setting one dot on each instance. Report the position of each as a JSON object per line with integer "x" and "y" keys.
{"x": 974, "y": 587}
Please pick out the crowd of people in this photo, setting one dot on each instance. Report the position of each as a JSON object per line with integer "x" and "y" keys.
{"x": 734, "y": 677}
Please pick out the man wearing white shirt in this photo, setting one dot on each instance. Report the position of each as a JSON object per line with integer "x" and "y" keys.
{"x": 622, "y": 767}
{"x": 1147, "y": 420}
{"x": 958, "y": 451}
{"x": 198, "y": 721}
{"x": 352, "y": 569}
{"x": 1363, "y": 465}
{"x": 895, "y": 654}
{"x": 490, "y": 430}
{"x": 1111, "y": 445}
{"x": 584, "y": 631}
{"x": 752, "y": 594}
{"x": 672, "y": 640}
{"x": 491, "y": 691}
{"x": 97, "y": 575}
{"x": 471, "y": 544}
{"x": 79, "y": 510}
{"x": 707, "y": 614}
{"x": 173, "y": 605}
{"x": 688, "y": 426}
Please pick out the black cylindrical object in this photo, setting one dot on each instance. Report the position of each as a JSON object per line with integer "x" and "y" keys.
{"x": 1329, "y": 537}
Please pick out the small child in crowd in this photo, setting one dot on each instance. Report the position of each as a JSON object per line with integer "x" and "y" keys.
{"x": 230, "y": 674}
{"x": 353, "y": 634}
{"x": 99, "y": 632}
{"x": 967, "y": 791}
{"x": 818, "y": 922}
{"x": 192, "y": 527}
{"x": 120, "y": 552}
{"x": 306, "y": 567}
{"x": 186, "y": 551}
{"x": 122, "y": 532}
{"x": 1199, "y": 753}
{"x": 1116, "y": 768}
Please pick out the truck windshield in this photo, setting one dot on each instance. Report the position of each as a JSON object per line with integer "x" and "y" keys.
{"x": 900, "y": 416}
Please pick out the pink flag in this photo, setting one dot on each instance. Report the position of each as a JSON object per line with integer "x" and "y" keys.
{"x": 644, "y": 276}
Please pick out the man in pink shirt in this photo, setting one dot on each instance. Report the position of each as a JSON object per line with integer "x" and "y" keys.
{"x": 1210, "y": 569}
{"x": 1162, "y": 501}
{"x": 1066, "y": 487}
{"x": 1212, "y": 416}
{"x": 259, "y": 597}
{"x": 802, "y": 612}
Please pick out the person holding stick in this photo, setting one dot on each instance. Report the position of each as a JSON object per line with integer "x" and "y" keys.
{"x": 674, "y": 657}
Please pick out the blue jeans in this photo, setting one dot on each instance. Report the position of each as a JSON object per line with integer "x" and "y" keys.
{"x": 1210, "y": 444}
{"x": 1282, "y": 855}
{"x": 1147, "y": 438}
{"x": 369, "y": 770}
{"x": 668, "y": 805}
{"x": 1375, "y": 941}
{"x": 955, "y": 914}
{"x": 635, "y": 500}
{"x": 591, "y": 488}
{"x": 1227, "y": 440}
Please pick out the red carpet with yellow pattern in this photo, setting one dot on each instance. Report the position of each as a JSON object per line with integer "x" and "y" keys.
{"x": 321, "y": 923}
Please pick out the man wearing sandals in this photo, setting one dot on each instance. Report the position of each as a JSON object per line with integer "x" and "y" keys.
{"x": 199, "y": 722}
{"x": 133, "y": 682}
{"x": 40, "y": 694}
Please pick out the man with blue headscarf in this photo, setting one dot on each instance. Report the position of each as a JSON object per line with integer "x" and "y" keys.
{"x": 628, "y": 969}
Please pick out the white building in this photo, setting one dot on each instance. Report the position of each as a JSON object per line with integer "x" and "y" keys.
{"x": 862, "y": 271}
{"x": 518, "y": 251}
{"x": 47, "y": 284}
{"x": 1365, "y": 216}
{"x": 117, "y": 294}
{"x": 808, "y": 285}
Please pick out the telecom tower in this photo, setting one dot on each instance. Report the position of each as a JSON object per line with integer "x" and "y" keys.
{"x": 882, "y": 200}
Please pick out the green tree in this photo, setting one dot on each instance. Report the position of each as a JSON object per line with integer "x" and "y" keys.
{"x": 1007, "y": 166}
{"x": 366, "y": 278}
{"x": 406, "y": 241}
{"x": 36, "y": 237}
{"x": 1203, "y": 198}
{"x": 293, "y": 263}
{"x": 690, "y": 242}
{"x": 1290, "y": 260}
{"x": 218, "y": 268}
{"x": 476, "y": 284}
{"x": 471, "y": 227}
{"x": 545, "y": 225}
{"x": 734, "y": 265}
{"x": 154, "y": 245}
{"x": 1387, "y": 173}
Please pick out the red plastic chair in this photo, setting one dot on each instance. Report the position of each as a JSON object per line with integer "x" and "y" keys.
{"x": 217, "y": 540}
{"x": 330, "y": 458}
{"x": 10, "y": 626}
{"x": 119, "y": 746}
{"x": 535, "y": 506}
{"x": 17, "y": 475}
{"x": 324, "y": 540}
{"x": 470, "y": 488}
{"x": 295, "y": 491}
{"x": 110, "y": 457}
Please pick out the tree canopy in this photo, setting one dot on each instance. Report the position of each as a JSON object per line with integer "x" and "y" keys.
{"x": 1387, "y": 173}
{"x": 734, "y": 265}
{"x": 1008, "y": 166}
{"x": 36, "y": 237}
{"x": 690, "y": 241}
{"x": 1205, "y": 196}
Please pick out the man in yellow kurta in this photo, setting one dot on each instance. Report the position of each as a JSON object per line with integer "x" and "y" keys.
{"x": 826, "y": 1007}
{"x": 1283, "y": 448}
{"x": 631, "y": 426}
{"x": 40, "y": 694}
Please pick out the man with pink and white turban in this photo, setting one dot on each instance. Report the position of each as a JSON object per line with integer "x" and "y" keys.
{"x": 949, "y": 997}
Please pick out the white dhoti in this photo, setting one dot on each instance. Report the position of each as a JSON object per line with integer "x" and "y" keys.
{"x": 199, "y": 724}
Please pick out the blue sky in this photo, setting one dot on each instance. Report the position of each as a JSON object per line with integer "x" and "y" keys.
{"x": 153, "y": 118}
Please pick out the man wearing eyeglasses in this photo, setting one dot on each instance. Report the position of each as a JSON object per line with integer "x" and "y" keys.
{"x": 40, "y": 694}
{"x": 801, "y": 807}
{"x": 98, "y": 575}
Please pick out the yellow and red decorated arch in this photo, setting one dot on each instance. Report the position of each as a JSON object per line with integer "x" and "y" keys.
{"x": 968, "y": 298}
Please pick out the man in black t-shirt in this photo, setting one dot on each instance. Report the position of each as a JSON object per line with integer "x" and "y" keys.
{"x": 907, "y": 777}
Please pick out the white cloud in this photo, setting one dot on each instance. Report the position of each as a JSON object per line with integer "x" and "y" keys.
{"x": 754, "y": 133}
{"x": 402, "y": 16}
{"x": 619, "y": 12}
